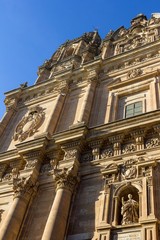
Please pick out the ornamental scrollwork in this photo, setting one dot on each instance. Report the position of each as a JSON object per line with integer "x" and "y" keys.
{"x": 154, "y": 142}
{"x": 134, "y": 73}
{"x": 128, "y": 148}
{"x": 29, "y": 124}
{"x": 107, "y": 153}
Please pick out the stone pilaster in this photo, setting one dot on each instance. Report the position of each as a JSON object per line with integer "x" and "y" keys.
{"x": 59, "y": 102}
{"x": 88, "y": 97}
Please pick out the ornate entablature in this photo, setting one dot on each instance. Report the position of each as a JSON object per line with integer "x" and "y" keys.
{"x": 29, "y": 124}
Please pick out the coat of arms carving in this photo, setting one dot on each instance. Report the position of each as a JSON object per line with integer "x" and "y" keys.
{"x": 29, "y": 124}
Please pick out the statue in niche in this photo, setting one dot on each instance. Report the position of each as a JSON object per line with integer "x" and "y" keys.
{"x": 129, "y": 210}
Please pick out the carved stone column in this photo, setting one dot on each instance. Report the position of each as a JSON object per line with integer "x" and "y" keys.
{"x": 66, "y": 180}
{"x": 24, "y": 187}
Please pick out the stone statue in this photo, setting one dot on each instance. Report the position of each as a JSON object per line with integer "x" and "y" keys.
{"x": 129, "y": 210}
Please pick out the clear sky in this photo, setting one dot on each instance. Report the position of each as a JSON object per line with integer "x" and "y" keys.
{"x": 31, "y": 30}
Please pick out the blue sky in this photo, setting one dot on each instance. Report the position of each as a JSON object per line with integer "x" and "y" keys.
{"x": 31, "y": 30}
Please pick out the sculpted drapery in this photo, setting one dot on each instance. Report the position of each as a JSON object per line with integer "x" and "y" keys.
{"x": 129, "y": 210}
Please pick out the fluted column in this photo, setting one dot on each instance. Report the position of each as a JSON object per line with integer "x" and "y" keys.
{"x": 66, "y": 181}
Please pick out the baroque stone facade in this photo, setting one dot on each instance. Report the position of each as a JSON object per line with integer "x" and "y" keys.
{"x": 80, "y": 149}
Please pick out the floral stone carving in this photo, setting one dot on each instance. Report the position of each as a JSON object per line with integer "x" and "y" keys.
{"x": 134, "y": 73}
{"x": 107, "y": 153}
{"x": 129, "y": 148}
{"x": 129, "y": 210}
{"x": 29, "y": 124}
{"x": 66, "y": 178}
{"x": 23, "y": 186}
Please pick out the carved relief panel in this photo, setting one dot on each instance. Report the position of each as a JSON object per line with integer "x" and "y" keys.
{"x": 29, "y": 124}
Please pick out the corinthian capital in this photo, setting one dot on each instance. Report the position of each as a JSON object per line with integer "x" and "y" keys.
{"x": 66, "y": 178}
{"x": 23, "y": 186}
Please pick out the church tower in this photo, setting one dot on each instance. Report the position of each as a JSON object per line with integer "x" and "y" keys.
{"x": 80, "y": 149}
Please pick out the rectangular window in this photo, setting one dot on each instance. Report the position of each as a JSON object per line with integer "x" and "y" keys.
{"x": 133, "y": 109}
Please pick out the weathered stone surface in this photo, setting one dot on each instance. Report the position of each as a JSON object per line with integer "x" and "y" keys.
{"x": 76, "y": 145}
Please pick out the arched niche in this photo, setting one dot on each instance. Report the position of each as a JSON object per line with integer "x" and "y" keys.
{"x": 122, "y": 192}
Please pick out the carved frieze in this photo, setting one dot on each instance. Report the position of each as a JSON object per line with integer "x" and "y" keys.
{"x": 153, "y": 142}
{"x": 107, "y": 153}
{"x": 29, "y": 124}
{"x": 134, "y": 73}
{"x": 128, "y": 148}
